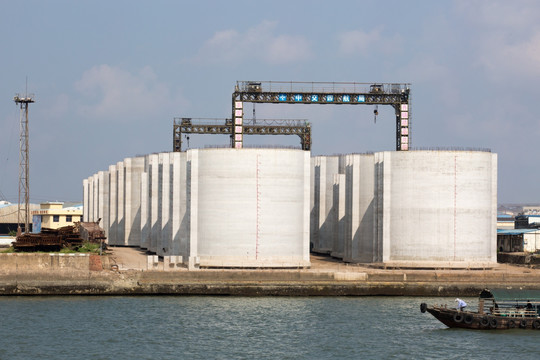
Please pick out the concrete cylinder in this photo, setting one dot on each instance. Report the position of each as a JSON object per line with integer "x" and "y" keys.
{"x": 110, "y": 232}
{"x": 322, "y": 237}
{"x": 249, "y": 207}
{"x": 438, "y": 206}
{"x": 338, "y": 242}
{"x": 133, "y": 170}
{"x": 359, "y": 208}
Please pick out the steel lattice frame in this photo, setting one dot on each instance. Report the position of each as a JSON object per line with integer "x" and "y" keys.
{"x": 224, "y": 126}
{"x": 24, "y": 163}
{"x": 395, "y": 95}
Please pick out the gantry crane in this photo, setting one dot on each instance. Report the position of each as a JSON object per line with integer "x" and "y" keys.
{"x": 337, "y": 93}
{"x": 250, "y": 127}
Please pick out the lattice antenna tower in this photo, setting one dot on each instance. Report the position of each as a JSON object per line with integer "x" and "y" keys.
{"x": 23, "y": 215}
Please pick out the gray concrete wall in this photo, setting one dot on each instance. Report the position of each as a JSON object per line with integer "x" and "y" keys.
{"x": 339, "y": 197}
{"x": 192, "y": 205}
{"x": 249, "y": 207}
{"x": 315, "y": 207}
{"x": 313, "y": 217}
{"x": 325, "y": 168}
{"x": 145, "y": 219}
{"x": 494, "y": 201}
{"x": 120, "y": 203}
{"x": 86, "y": 197}
{"x": 110, "y": 231}
{"x": 438, "y": 206}
{"x": 154, "y": 201}
{"x": 360, "y": 208}
{"x": 165, "y": 240}
{"x": 180, "y": 217}
{"x": 40, "y": 262}
{"x": 134, "y": 168}
{"x": 104, "y": 212}
{"x": 95, "y": 199}
{"x": 257, "y": 207}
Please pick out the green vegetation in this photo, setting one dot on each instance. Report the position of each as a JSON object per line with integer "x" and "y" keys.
{"x": 86, "y": 247}
{"x": 12, "y": 233}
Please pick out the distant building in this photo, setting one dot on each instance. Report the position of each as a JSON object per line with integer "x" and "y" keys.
{"x": 527, "y": 222}
{"x": 518, "y": 240}
{"x": 505, "y": 221}
{"x": 53, "y": 215}
{"x": 9, "y": 218}
{"x": 531, "y": 210}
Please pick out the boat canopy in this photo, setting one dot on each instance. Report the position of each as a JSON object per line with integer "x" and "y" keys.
{"x": 510, "y": 294}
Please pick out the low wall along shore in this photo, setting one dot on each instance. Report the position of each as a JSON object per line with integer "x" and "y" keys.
{"x": 84, "y": 274}
{"x": 53, "y": 262}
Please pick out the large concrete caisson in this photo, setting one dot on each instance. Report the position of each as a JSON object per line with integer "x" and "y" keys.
{"x": 359, "y": 211}
{"x": 414, "y": 208}
{"x": 249, "y": 207}
{"x": 323, "y": 209}
{"x": 213, "y": 207}
{"x": 436, "y": 206}
{"x": 125, "y": 202}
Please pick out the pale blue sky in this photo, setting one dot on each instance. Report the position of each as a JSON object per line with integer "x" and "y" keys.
{"x": 110, "y": 76}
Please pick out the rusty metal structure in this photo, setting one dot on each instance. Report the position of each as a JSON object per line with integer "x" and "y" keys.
{"x": 323, "y": 93}
{"x": 185, "y": 126}
{"x": 48, "y": 240}
{"x": 71, "y": 236}
{"x": 91, "y": 232}
{"x": 24, "y": 162}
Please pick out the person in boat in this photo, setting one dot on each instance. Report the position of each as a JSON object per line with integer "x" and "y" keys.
{"x": 529, "y": 309}
{"x": 461, "y": 304}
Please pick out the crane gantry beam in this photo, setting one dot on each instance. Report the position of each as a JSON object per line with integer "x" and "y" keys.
{"x": 324, "y": 93}
{"x": 251, "y": 127}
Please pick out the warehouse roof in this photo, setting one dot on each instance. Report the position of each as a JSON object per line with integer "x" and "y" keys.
{"x": 4, "y": 204}
{"x": 514, "y": 231}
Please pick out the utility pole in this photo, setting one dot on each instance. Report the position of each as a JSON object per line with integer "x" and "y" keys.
{"x": 24, "y": 164}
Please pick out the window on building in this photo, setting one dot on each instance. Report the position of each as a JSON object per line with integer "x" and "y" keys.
{"x": 56, "y": 218}
{"x": 68, "y": 218}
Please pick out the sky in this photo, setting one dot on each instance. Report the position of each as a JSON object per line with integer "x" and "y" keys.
{"x": 109, "y": 77}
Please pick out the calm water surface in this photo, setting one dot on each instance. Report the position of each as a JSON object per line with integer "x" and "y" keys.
{"x": 244, "y": 328}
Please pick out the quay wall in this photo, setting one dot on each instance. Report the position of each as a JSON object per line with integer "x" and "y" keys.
{"x": 51, "y": 263}
{"x": 83, "y": 274}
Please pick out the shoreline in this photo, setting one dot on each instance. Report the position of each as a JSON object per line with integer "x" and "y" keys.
{"x": 127, "y": 272}
{"x": 427, "y": 283}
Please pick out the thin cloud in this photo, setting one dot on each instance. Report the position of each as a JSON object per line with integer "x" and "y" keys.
{"x": 505, "y": 59}
{"x": 109, "y": 92}
{"x": 363, "y": 43}
{"x": 258, "y": 43}
{"x": 506, "y": 37}
{"x": 500, "y": 14}
{"x": 429, "y": 70}
{"x": 357, "y": 41}
{"x": 58, "y": 107}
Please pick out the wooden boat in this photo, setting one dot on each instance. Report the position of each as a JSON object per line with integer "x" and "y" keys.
{"x": 498, "y": 309}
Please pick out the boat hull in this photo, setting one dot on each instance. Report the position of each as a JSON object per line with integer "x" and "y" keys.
{"x": 471, "y": 320}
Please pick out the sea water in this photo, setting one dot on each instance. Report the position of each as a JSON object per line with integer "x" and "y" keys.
{"x": 193, "y": 327}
